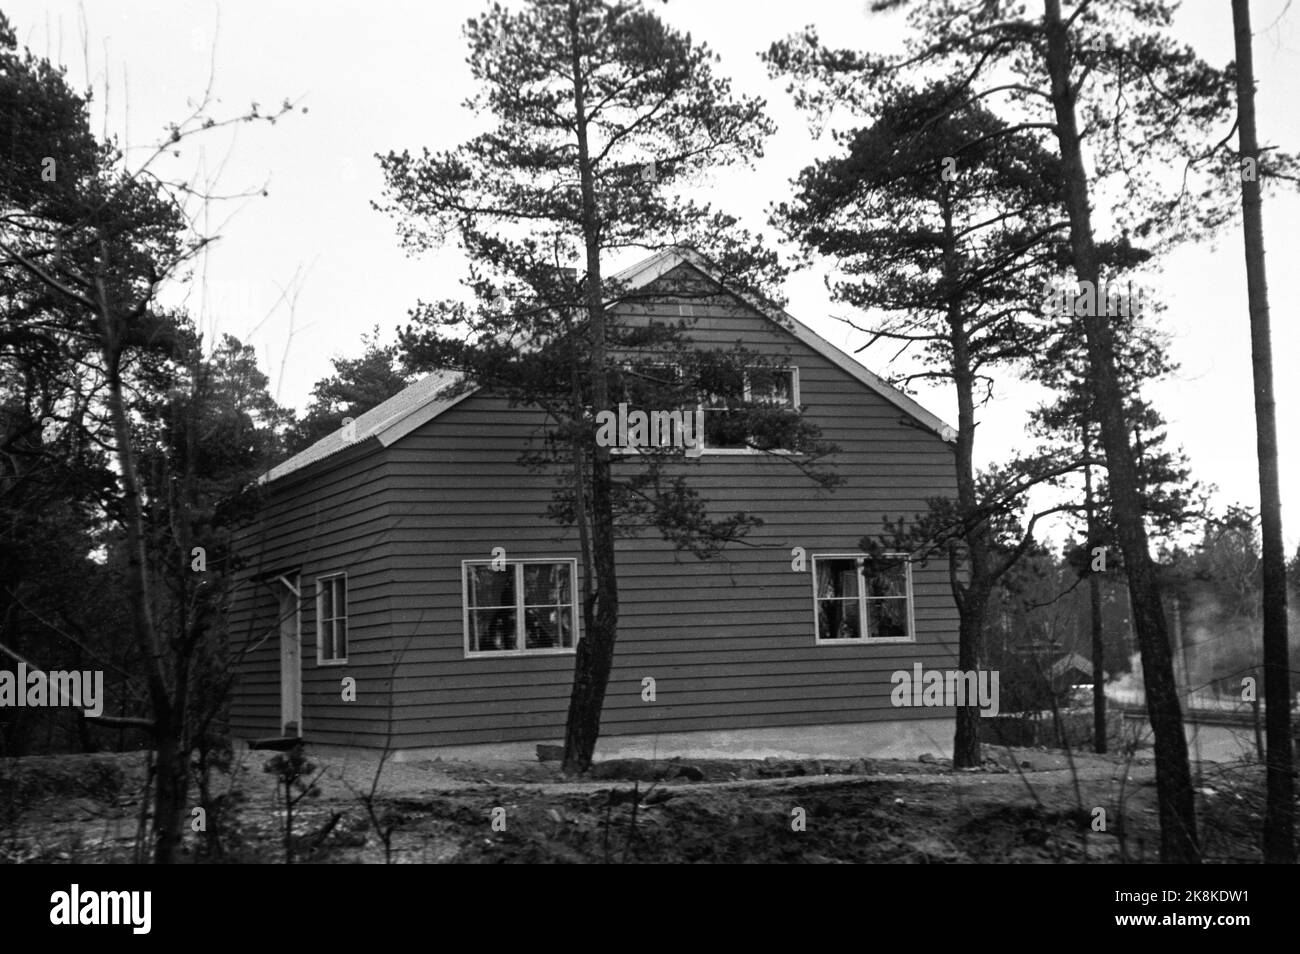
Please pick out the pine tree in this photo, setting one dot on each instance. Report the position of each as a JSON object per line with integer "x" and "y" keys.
{"x": 1170, "y": 498}
{"x": 943, "y": 219}
{"x": 1107, "y": 69}
{"x": 598, "y": 114}
{"x": 1279, "y": 820}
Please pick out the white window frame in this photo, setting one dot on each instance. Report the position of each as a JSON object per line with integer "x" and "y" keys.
{"x": 698, "y": 407}
{"x": 866, "y": 638}
{"x": 749, "y": 396}
{"x": 329, "y": 578}
{"x": 517, "y": 565}
{"x": 623, "y": 451}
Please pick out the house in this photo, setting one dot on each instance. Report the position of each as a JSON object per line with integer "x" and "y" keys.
{"x": 1070, "y": 672}
{"x": 402, "y": 586}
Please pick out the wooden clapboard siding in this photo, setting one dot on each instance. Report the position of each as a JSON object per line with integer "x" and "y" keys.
{"x": 331, "y": 518}
{"x": 728, "y": 642}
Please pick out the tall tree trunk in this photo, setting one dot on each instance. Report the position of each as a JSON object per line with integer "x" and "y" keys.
{"x": 1094, "y": 613}
{"x": 973, "y": 598}
{"x": 595, "y": 654}
{"x": 1279, "y": 815}
{"x": 1178, "y": 839}
{"x": 970, "y": 657}
{"x": 172, "y": 779}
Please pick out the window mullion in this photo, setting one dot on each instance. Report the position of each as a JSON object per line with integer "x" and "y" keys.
{"x": 862, "y": 598}
{"x": 908, "y": 610}
{"x": 573, "y": 599}
{"x": 320, "y": 605}
{"x": 521, "y": 643}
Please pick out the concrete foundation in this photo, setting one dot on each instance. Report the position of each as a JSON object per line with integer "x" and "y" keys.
{"x": 901, "y": 739}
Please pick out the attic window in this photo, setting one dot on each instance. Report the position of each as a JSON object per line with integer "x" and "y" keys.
{"x": 642, "y": 382}
{"x": 858, "y": 600}
{"x": 725, "y": 427}
{"x": 520, "y": 607}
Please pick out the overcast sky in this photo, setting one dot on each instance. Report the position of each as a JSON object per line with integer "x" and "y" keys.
{"x": 381, "y": 75}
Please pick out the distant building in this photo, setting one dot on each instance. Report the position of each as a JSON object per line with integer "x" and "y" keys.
{"x": 1070, "y": 671}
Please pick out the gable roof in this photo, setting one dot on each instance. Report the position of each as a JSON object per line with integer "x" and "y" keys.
{"x": 431, "y": 395}
{"x": 1068, "y": 662}
{"x": 666, "y": 260}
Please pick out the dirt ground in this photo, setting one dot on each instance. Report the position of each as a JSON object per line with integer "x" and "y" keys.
{"x": 1022, "y": 806}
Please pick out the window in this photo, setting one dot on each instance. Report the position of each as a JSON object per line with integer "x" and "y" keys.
{"x": 332, "y": 620}
{"x": 641, "y": 383}
{"x": 725, "y": 427}
{"x": 772, "y": 386}
{"x": 526, "y": 606}
{"x": 858, "y": 599}
{"x": 731, "y": 401}
{"x": 661, "y": 410}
